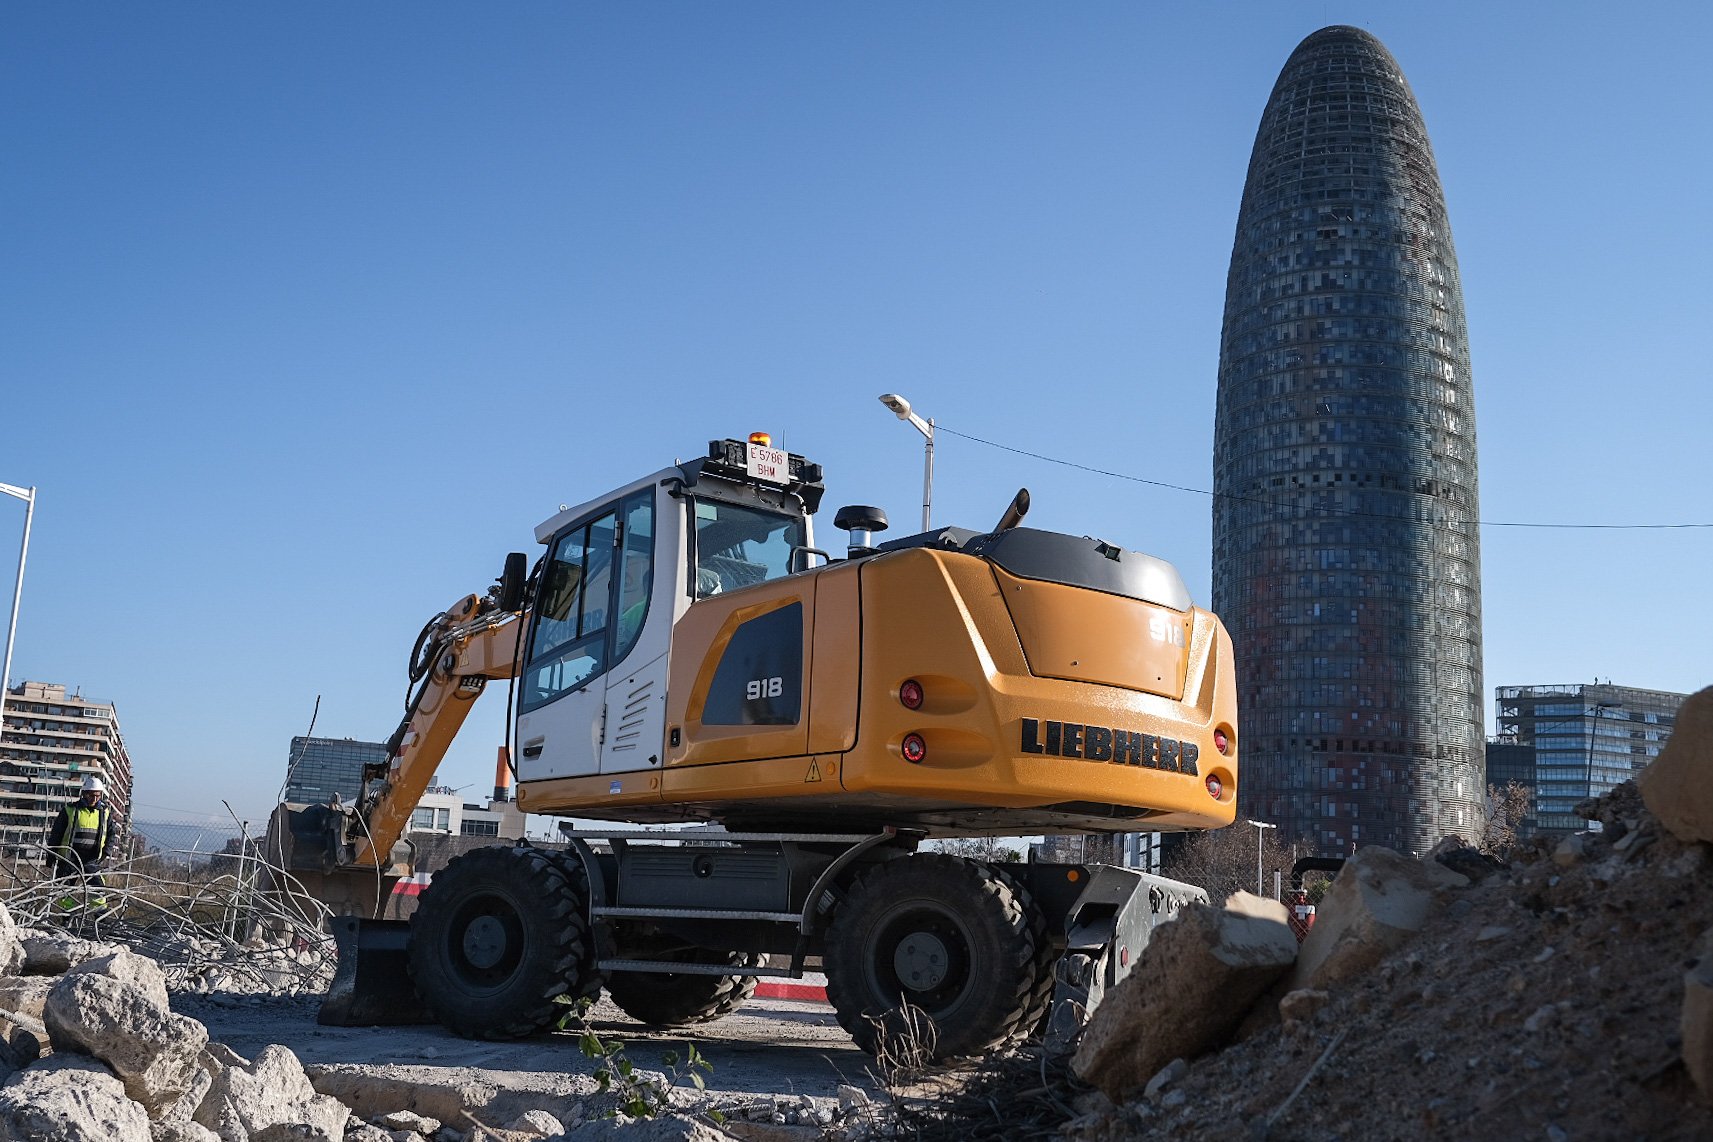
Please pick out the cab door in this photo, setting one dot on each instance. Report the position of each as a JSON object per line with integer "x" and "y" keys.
{"x": 636, "y": 685}
{"x": 563, "y": 685}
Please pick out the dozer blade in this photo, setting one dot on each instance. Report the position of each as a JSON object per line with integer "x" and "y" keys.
{"x": 371, "y": 987}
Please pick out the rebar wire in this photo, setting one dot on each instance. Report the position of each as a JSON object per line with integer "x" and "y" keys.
{"x": 228, "y": 923}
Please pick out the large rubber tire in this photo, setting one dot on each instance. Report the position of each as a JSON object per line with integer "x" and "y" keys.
{"x": 947, "y": 936}
{"x": 1039, "y": 1001}
{"x": 499, "y": 934}
{"x": 588, "y": 980}
{"x": 678, "y": 1000}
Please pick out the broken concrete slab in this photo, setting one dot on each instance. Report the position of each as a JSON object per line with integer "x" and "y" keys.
{"x": 408, "y": 1120}
{"x": 11, "y": 948}
{"x": 1377, "y": 901}
{"x": 1697, "y": 1019}
{"x": 25, "y": 1038}
{"x": 1464, "y": 859}
{"x": 1677, "y": 786}
{"x": 1192, "y": 986}
{"x": 183, "y": 1132}
{"x": 538, "y": 1121}
{"x": 153, "y": 1051}
{"x": 25, "y": 993}
{"x": 459, "y": 1096}
{"x": 667, "y": 1128}
{"x": 55, "y": 953}
{"x": 128, "y": 968}
{"x": 246, "y": 1101}
{"x": 69, "y": 1098}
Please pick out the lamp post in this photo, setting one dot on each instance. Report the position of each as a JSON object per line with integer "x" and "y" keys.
{"x": 901, "y": 409}
{"x": 28, "y": 495}
{"x": 1261, "y": 828}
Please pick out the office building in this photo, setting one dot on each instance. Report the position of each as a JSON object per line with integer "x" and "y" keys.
{"x": 1346, "y": 552}
{"x": 49, "y": 742}
{"x": 1582, "y": 740}
{"x": 319, "y": 768}
{"x": 442, "y": 810}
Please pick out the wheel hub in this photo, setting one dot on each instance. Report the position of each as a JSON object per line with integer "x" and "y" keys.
{"x": 484, "y": 942}
{"x": 921, "y": 961}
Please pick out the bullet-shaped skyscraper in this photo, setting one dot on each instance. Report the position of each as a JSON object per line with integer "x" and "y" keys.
{"x": 1346, "y": 551}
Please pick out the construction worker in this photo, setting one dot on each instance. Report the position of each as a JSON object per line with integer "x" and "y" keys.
{"x": 78, "y": 842}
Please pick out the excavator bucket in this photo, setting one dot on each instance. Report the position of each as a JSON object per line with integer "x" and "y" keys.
{"x": 371, "y": 986}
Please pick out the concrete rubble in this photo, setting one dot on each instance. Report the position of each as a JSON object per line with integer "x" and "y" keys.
{"x": 90, "y": 1048}
{"x": 1193, "y": 985}
{"x": 1375, "y": 903}
{"x": 1452, "y": 996}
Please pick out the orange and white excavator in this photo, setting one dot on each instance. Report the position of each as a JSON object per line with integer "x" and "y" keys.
{"x": 682, "y": 654}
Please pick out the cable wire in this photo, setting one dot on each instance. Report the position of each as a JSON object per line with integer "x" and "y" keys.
{"x": 1298, "y": 507}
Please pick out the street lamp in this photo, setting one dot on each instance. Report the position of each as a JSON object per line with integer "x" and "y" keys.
{"x": 1261, "y": 828}
{"x": 28, "y": 495}
{"x": 901, "y": 409}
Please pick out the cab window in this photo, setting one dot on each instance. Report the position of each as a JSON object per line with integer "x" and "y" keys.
{"x": 739, "y": 546}
{"x": 636, "y": 570}
{"x": 573, "y": 611}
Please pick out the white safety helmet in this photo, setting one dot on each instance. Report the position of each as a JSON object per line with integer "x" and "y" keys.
{"x": 93, "y": 784}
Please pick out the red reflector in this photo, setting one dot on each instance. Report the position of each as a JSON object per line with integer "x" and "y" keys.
{"x": 1221, "y": 742}
{"x": 915, "y": 749}
{"x": 1124, "y": 957}
{"x": 911, "y": 694}
{"x": 1215, "y": 787}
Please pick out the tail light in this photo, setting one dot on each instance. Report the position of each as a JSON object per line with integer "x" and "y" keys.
{"x": 1222, "y": 741}
{"x": 914, "y": 748}
{"x": 1215, "y": 787}
{"x": 911, "y": 694}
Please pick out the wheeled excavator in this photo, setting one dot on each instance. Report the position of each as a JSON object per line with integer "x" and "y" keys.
{"x": 751, "y": 739}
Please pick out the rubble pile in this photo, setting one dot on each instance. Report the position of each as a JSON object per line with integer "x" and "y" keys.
{"x": 1565, "y": 994}
{"x": 213, "y": 934}
{"x": 90, "y": 1048}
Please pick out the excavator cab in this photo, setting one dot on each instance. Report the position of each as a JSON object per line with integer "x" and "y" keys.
{"x": 618, "y": 575}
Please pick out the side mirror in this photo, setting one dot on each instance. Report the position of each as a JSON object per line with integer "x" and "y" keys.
{"x": 512, "y": 582}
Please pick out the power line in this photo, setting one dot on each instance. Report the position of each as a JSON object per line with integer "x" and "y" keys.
{"x": 1296, "y": 507}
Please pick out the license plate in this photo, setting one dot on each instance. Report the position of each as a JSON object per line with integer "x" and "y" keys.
{"x": 768, "y": 464}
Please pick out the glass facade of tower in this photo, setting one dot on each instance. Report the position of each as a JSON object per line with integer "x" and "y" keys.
{"x": 1346, "y": 560}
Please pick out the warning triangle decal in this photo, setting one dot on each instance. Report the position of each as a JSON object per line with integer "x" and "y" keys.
{"x": 814, "y": 773}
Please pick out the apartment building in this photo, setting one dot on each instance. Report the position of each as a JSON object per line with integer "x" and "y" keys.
{"x": 49, "y": 742}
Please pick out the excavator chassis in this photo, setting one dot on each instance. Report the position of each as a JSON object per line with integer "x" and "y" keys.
{"x": 986, "y": 949}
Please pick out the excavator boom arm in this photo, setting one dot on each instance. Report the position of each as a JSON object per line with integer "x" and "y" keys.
{"x": 465, "y": 659}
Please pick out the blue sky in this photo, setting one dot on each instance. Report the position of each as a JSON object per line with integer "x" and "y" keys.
{"x": 310, "y": 312}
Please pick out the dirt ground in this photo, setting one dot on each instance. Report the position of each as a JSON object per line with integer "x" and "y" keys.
{"x": 1542, "y": 1003}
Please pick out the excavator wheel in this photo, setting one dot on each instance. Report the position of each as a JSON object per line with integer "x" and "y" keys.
{"x": 945, "y": 937}
{"x": 1039, "y": 1002}
{"x": 498, "y": 935}
{"x": 588, "y": 980}
{"x": 674, "y": 1000}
